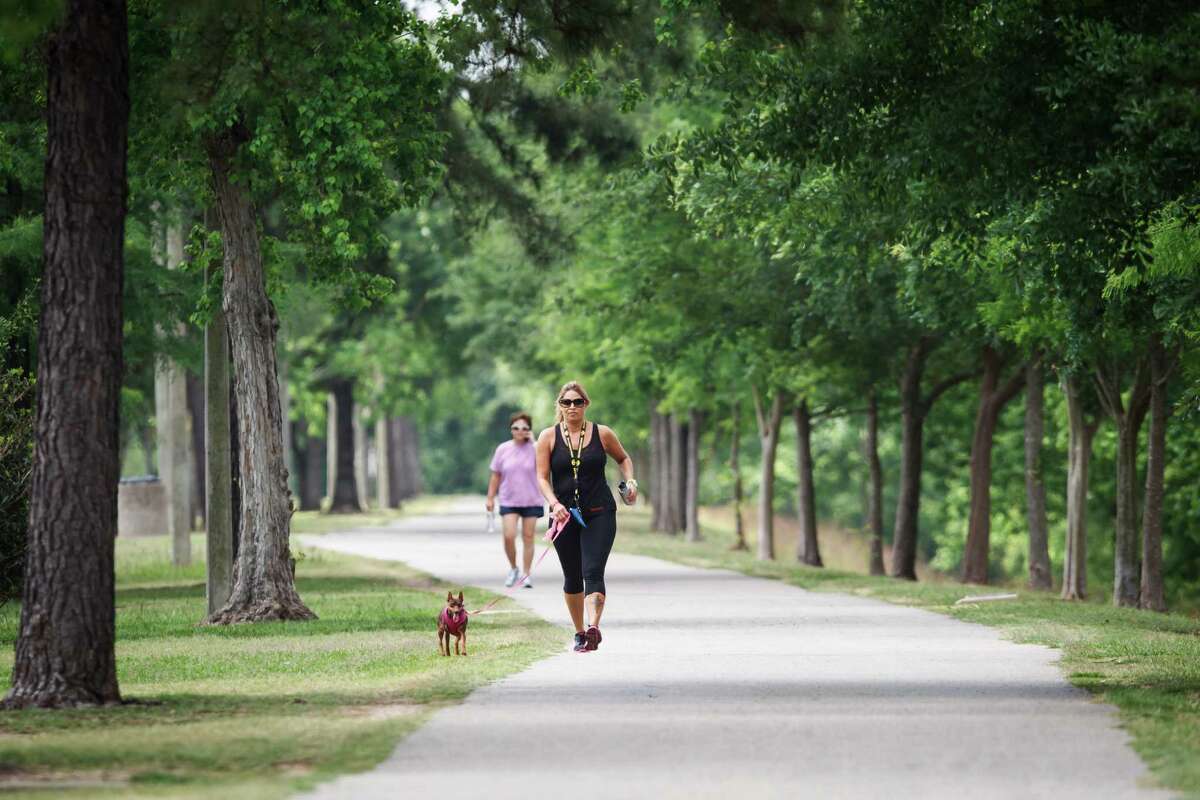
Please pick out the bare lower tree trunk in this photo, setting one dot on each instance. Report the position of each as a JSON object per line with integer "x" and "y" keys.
{"x": 399, "y": 467}
{"x": 1082, "y": 430}
{"x": 313, "y": 484}
{"x": 218, "y": 465}
{"x": 1128, "y": 421}
{"x": 345, "y": 486}
{"x": 739, "y": 529}
{"x": 1152, "y": 596}
{"x": 412, "y": 457}
{"x": 360, "y": 457}
{"x": 912, "y": 423}
{"x": 768, "y": 434}
{"x": 264, "y": 584}
{"x": 676, "y": 474}
{"x": 875, "y": 494}
{"x": 383, "y": 454}
{"x": 195, "y": 400}
{"x": 64, "y": 649}
{"x": 992, "y": 399}
{"x": 285, "y": 414}
{"x": 656, "y": 506}
{"x": 662, "y": 472}
{"x": 692, "y": 495}
{"x": 808, "y": 549}
{"x": 1035, "y": 487}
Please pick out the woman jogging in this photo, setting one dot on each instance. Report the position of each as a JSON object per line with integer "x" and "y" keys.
{"x": 515, "y": 476}
{"x": 571, "y": 457}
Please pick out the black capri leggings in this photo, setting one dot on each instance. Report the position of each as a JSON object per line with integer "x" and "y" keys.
{"x": 583, "y": 552}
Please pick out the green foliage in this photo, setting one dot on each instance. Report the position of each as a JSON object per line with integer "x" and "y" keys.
{"x": 16, "y": 464}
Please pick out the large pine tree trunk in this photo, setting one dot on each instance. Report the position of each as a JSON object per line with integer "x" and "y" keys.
{"x": 1035, "y": 487}
{"x": 875, "y": 491}
{"x": 692, "y": 494}
{"x": 993, "y": 397}
{"x": 1079, "y": 457}
{"x": 739, "y": 528}
{"x": 808, "y": 550}
{"x": 912, "y": 423}
{"x": 64, "y": 648}
{"x": 345, "y": 487}
{"x": 768, "y": 434}
{"x": 1152, "y": 596}
{"x": 264, "y": 585}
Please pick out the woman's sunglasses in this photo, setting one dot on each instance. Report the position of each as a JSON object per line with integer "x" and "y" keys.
{"x": 518, "y": 428}
{"x": 567, "y": 402}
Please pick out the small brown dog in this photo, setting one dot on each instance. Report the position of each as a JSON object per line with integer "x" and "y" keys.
{"x": 452, "y": 622}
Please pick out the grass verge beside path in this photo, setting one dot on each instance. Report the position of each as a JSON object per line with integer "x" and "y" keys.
{"x": 1145, "y": 664}
{"x": 256, "y": 710}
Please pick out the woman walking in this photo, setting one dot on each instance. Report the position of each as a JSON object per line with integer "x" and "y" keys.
{"x": 571, "y": 457}
{"x": 515, "y": 478}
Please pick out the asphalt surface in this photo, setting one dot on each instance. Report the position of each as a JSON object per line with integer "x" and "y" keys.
{"x": 710, "y": 684}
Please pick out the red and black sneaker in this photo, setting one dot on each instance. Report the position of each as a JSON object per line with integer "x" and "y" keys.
{"x": 581, "y": 643}
{"x": 593, "y": 638}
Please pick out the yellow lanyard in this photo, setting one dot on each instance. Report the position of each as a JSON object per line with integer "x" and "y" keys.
{"x": 576, "y": 456}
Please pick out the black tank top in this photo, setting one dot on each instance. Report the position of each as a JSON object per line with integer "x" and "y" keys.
{"x": 594, "y": 494}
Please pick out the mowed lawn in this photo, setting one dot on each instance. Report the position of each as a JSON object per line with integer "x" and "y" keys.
{"x": 1145, "y": 664}
{"x": 256, "y": 710}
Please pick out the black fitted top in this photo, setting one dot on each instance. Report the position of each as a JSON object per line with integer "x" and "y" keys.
{"x": 594, "y": 494}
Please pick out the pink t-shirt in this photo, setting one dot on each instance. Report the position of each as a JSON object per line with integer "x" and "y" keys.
{"x": 517, "y": 465}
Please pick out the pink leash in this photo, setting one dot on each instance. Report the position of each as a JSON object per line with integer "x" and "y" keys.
{"x": 551, "y": 535}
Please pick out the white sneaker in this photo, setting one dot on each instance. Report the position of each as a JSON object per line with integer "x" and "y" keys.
{"x": 513, "y": 574}
{"x": 527, "y": 583}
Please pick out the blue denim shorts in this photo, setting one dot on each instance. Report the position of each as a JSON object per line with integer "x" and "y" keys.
{"x": 523, "y": 511}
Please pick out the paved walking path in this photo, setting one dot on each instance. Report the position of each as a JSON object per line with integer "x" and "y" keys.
{"x": 711, "y": 684}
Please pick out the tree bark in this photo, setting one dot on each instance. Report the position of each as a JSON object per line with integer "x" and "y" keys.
{"x": 739, "y": 529}
{"x": 656, "y": 506}
{"x": 264, "y": 584}
{"x": 676, "y": 474}
{"x": 289, "y": 442}
{"x": 993, "y": 397}
{"x": 64, "y": 648}
{"x": 1152, "y": 596}
{"x": 808, "y": 550}
{"x": 412, "y": 457}
{"x": 1126, "y": 569}
{"x": 912, "y": 422}
{"x": 360, "y": 457}
{"x": 383, "y": 454}
{"x": 218, "y": 465}
{"x": 1082, "y": 431}
{"x": 875, "y": 493}
{"x": 692, "y": 495}
{"x": 312, "y": 488}
{"x": 195, "y": 401}
{"x": 1035, "y": 487}
{"x": 768, "y": 434}
{"x": 345, "y": 485}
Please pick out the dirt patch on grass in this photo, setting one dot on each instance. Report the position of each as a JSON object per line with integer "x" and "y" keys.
{"x": 385, "y": 711}
{"x": 14, "y": 779}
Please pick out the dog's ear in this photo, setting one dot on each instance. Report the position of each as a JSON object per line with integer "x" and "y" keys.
{"x": 460, "y": 597}
{"x": 449, "y": 595}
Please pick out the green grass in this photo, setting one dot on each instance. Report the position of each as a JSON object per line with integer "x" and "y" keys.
{"x": 1145, "y": 664}
{"x": 257, "y": 710}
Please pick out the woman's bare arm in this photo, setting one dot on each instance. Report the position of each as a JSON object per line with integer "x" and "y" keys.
{"x": 545, "y": 444}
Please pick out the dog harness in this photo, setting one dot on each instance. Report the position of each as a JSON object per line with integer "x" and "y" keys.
{"x": 455, "y": 623}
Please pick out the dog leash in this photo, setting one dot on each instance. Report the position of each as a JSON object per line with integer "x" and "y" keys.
{"x": 551, "y": 535}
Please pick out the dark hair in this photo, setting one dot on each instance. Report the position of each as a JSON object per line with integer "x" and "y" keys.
{"x": 521, "y": 415}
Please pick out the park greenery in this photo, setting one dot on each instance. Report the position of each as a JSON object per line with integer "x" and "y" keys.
{"x": 926, "y": 272}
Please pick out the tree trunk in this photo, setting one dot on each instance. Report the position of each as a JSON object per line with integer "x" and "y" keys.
{"x": 1152, "y": 596}
{"x": 360, "y": 457}
{"x": 195, "y": 400}
{"x": 692, "y": 494}
{"x": 661, "y": 485}
{"x": 652, "y": 469}
{"x": 1126, "y": 569}
{"x": 1079, "y": 457}
{"x": 676, "y": 475}
{"x": 313, "y": 486}
{"x": 64, "y": 648}
{"x": 768, "y": 434}
{"x": 383, "y": 454}
{"x": 875, "y": 494}
{"x": 808, "y": 550}
{"x": 289, "y": 442}
{"x": 912, "y": 423}
{"x": 739, "y": 529}
{"x": 218, "y": 465}
{"x": 345, "y": 486}
{"x": 1035, "y": 487}
{"x": 171, "y": 423}
{"x": 264, "y": 585}
{"x": 412, "y": 457}
{"x": 992, "y": 399}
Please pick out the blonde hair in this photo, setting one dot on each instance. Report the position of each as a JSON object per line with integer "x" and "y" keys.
{"x": 559, "y": 416}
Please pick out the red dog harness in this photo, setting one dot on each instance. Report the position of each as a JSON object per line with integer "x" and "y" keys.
{"x": 455, "y": 623}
